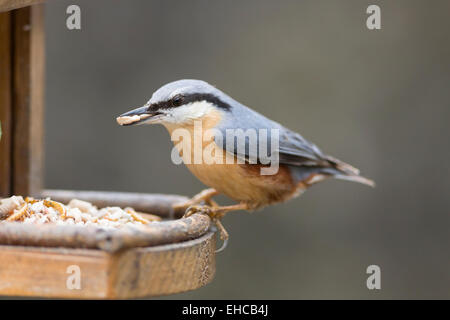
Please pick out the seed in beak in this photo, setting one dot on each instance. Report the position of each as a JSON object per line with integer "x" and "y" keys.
{"x": 124, "y": 120}
{"x": 127, "y": 120}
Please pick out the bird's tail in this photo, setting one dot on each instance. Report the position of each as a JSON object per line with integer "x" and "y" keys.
{"x": 329, "y": 167}
{"x": 344, "y": 171}
{"x": 355, "y": 178}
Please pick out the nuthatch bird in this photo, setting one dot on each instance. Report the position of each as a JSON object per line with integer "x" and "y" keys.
{"x": 179, "y": 104}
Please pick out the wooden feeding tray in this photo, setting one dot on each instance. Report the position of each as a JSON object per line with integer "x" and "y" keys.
{"x": 175, "y": 255}
{"x": 165, "y": 257}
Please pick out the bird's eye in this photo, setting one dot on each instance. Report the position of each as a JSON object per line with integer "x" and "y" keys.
{"x": 177, "y": 100}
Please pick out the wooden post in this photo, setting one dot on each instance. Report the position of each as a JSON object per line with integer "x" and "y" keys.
{"x": 5, "y": 104}
{"x": 28, "y": 99}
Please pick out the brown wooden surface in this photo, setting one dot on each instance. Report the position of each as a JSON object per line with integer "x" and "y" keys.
{"x": 6, "y": 5}
{"x": 5, "y": 104}
{"x": 28, "y": 94}
{"x": 138, "y": 272}
{"x": 159, "y": 204}
{"x": 163, "y": 270}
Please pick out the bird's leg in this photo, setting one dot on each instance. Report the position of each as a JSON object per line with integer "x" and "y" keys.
{"x": 214, "y": 211}
{"x": 217, "y": 213}
{"x": 205, "y": 196}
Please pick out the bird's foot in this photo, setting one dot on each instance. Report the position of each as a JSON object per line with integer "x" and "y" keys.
{"x": 216, "y": 213}
{"x": 204, "y": 196}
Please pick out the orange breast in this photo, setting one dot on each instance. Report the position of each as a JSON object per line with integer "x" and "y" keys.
{"x": 244, "y": 183}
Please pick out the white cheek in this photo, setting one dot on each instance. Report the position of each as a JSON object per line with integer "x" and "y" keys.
{"x": 189, "y": 112}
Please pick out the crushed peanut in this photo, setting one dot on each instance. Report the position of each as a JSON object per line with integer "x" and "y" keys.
{"x": 124, "y": 120}
{"x": 76, "y": 212}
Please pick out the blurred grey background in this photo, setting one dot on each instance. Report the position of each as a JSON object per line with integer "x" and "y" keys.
{"x": 379, "y": 100}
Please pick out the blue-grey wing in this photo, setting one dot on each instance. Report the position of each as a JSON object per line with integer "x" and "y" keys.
{"x": 237, "y": 136}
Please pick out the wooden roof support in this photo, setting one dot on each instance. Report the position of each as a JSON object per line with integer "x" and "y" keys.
{"x": 27, "y": 99}
{"x": 5, "y": 105}
{"x": 21, "y": 100}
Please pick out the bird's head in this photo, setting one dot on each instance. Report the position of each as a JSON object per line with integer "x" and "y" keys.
{"x": 178, "y": 103}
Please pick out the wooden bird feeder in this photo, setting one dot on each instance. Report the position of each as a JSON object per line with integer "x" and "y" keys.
{"x": 175, "y": 255}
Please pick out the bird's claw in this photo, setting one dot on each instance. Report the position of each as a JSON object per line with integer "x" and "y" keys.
{"x": 214, "y": 212}
{"x": 204, "y": 197}
{"x": 197, "y": 209}
{"x": 216, "y": 215}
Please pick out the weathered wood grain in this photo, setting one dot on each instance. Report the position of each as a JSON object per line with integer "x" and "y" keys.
{"x": 132, "y": 273}
{"x": 111, "y": 240}
{"x": 28, "y": 99}
{"x": 5, "y": 104}
{"x": 163, "y": 270}
{"x": 159, "y": 204}
{"x": 42, "y": 272}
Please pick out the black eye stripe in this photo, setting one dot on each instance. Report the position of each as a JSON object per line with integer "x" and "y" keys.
{"x": 194, "y": 97}
{"x": 178, "y": 100}
{"x": 207, "y": 97}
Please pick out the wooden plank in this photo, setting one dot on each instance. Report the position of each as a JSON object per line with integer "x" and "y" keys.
{"x": 111, "y": 240}
{"x": 41, "y": 272}
{"x": 159, "y": 204}
{"x": 28, "y": 99}
{"x": 5, "y": 104}
{"x": 6, "y": 5}
{"x": 154, "y": 271}
{"x": 132, "y": 273}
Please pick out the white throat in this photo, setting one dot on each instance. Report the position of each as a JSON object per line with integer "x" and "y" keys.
{"x": 189, "y": 112}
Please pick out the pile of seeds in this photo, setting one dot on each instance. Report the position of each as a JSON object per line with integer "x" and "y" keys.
{"x": 76, "y": 212}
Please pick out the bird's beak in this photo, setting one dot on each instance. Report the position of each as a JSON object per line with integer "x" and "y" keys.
{"x": 139, "y": 116}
